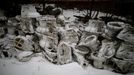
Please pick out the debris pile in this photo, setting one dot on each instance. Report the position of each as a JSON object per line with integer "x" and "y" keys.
{"x": 105, "y": 46}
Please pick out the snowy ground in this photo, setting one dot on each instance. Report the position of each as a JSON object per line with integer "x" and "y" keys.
{"x": 40, "y": 66}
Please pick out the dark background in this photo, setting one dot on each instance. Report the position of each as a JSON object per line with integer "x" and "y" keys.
{"x": 118, "y": 7}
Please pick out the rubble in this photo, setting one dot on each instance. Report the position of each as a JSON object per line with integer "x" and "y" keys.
{"x": 24, "y": 43}
{"x": 127, "y": 34}
{"x": 49, "y": 47}
{"x": 45, "y": 23}
{"x": 7, "y": 49}
{"x": 70, "y": 36}
{"x": 124, "y": 58}
{"x": 29, "y": 11}
{"x": 113, "y": 28}
{"x": 107, "y": 49}
{"x": 62, "y": 41}
{"x": 24, "y": 56}
{"x": 61, "y": 20}
{"x": 89, "y": 40}
{"x": 79, "y": 56}
{"x": 124, "y": 66}
{"x": 64, "y": 53}
{"x": 26, "y": 25}
{"x": 125, "y": 51}
{"x": 106, "y": 52}
{"x": 95, "y": 26}
{"x": 72, "y": 25}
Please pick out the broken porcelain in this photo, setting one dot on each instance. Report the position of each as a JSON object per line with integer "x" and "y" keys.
{"x": 70, "y": 36}
{"x": 7, "y": 46}
{"x": 95, "y": 26}
{"x": 62, "y": 40}
{"x": 80, "y": 57}
{"x": 50, "y": 49}
{"x": 106, "y": 52}
{"x": 127, "y": 34}
{"x": 26, "y": 25}
{"x": 51, "y": 56}
{"x": 124, "y": 66}
{"x": 12, "y": 25}
{"x": 124, "y": 58}
{"x": 98, "y": 62}
{"x": 107, "y": 49}
{"x": 47, "y": 41}
{"x": 125, "y": 51}
{"x": 24, "y": 43}
{"x": 64, "y": 53}
{"x": 25, "y": 56}
{"x": 29, "y": 11}
{"x": 82, "y": 49}
{"x": 113, "y": 28}
{"x": 61, "y": 20}
{"x": 46, "y": 24}
{"x": 90, "y": 41}
{"x": 72, "y": 25}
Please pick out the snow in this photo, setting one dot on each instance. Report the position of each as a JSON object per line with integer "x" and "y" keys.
{"x": 40, "y": 66}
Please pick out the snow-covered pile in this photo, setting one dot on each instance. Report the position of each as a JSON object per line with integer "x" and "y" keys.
{"x": 64, "y": 39}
